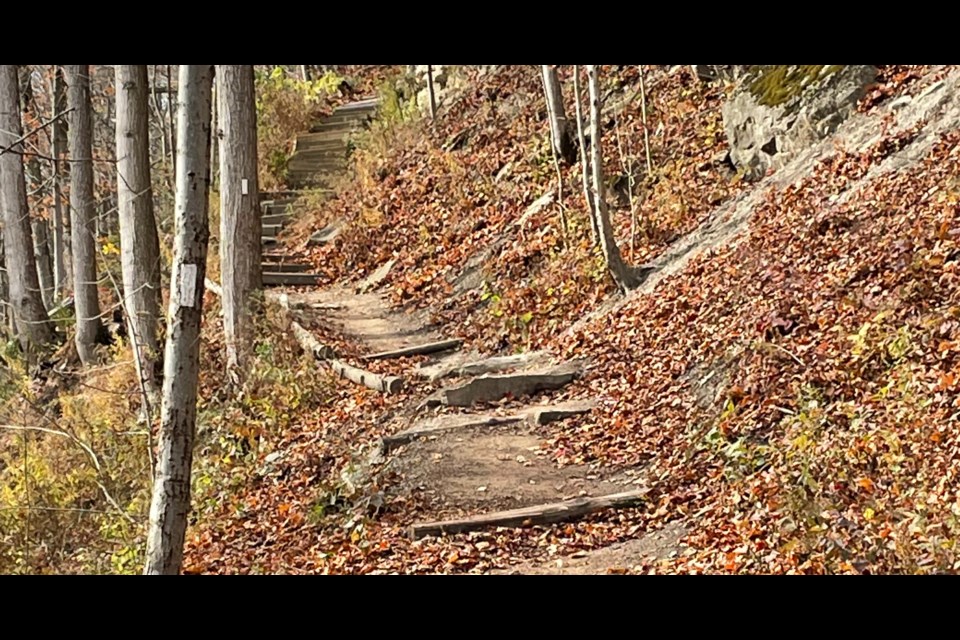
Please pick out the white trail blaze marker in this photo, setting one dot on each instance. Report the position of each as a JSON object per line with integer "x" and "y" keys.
{"x": 244, "y": 186}
{"x": 188, "y": 285}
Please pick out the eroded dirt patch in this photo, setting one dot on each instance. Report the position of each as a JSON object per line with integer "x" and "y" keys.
{"x": 489, "y": 469}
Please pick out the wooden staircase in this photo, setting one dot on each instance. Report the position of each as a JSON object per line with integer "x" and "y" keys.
{"x": 319, "y": 158}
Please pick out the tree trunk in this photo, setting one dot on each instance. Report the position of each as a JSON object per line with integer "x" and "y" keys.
{"x": 139, "y": 243}
{"x": 29, "y": 313}
{"x": 240, "y": 249}
{"x": 430, "y": 91}
{"x": 41, "y": 251}
{"x": 171, "y": 491}
{"x": 35, "y": 187}
{"x": 584, "y": 158}
{"x": 559, "y": 125}
{"x": 305, "y": 72}
{"x": 623, "y": 274}
{"x": 59, "y": 145}
{"x": 83, "y": 213}
{"x": 6, "y": 318}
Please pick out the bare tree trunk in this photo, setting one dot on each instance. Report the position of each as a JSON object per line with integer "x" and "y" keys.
{"x": 172, "y": 116}
{"x": 559, "y": 125}
{"x": 171, "y": 491}
{"x": 30, "y": 315}
{"x": 214, "y": 138}
{"x": 433, "y": 95}
{"x": 584, "y": 158}
{"x": 305, "y": 72}
{"x": 6, "y": 318}
{"x": 59, "y": 147}
{"x": 83, "y": 213}
{"x": 240, "y": 249}
{"x": 41, "y": 251}
{"x": 37, "y": 190}
{"x": 139, "y": 243}
{"x": 623, "y": 274}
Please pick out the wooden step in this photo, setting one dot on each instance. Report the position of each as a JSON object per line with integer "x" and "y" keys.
{"x": 276, "y": 219}
{"x": 278, "y": 195}
{"x": 371, "y": 103}
{"x": 267, "y": 241}
{"x": 270, "y": 230}
{"x": 532, "y": 516}
{"x": 285, "y": 267}
{"x": 290, "y": 279}
{"x": 416, "y": 350}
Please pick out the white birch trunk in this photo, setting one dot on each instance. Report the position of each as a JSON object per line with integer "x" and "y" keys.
{"x": 83, "y": 240}
{"x": 139, "y": 243}
{"x": 240, "y": 249}
{"x": 171, "y": 491}
{"x": 35, "y": 328}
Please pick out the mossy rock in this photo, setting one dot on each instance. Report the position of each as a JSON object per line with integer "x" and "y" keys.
{"x": 776, "y": 84}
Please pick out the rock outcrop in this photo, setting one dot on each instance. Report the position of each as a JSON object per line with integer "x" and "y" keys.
{"x": 778, "y": 110}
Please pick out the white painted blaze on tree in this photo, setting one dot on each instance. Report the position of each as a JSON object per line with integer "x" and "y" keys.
{"x": 188, "y": 285}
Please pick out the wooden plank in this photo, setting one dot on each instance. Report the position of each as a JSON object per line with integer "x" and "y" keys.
{"x": 417, "y": 350}
{"x": 290, "y": 279}
{"x": 269, "y": 230}
{"x": 285, "y": 267}
{"x": 531, "y": 516}
{"x": 383, "y": 384}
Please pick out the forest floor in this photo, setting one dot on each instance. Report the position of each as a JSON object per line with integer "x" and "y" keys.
{"x": 652, "y": 432}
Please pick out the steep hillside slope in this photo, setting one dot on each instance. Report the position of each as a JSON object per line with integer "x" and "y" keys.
{"x": 783, "y": 385}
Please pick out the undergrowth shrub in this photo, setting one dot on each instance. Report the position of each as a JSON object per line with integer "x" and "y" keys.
{"x": 286, "y": 106}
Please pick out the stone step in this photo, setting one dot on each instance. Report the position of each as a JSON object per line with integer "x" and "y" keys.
{"x": 490, "y": 387}
{"x": 474, "y": 366}
{"x": 267, "y": 241}
{"x": 290, "y": 279}
{"x": 285, "y": 267}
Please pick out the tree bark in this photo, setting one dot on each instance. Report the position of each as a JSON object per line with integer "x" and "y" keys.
{"x": 430, "y": 91}
{"x": 139, "y": 243}
{"x": 623, "y": 274}
{"x": 584, "y": 158}
{"x": 559, "y": 125}
{"x": 240, "y": 248}
{"x": 83, "y": 214}
{"x": 171, "y": 492}
{"x": 35, "y": 186}
{"x": 30, "y": 315}
{"x": 59, "y": 144}
{"x": 41, "y": 251}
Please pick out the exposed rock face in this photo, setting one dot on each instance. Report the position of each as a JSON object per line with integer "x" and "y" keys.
{"x": 779, "y": 110}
